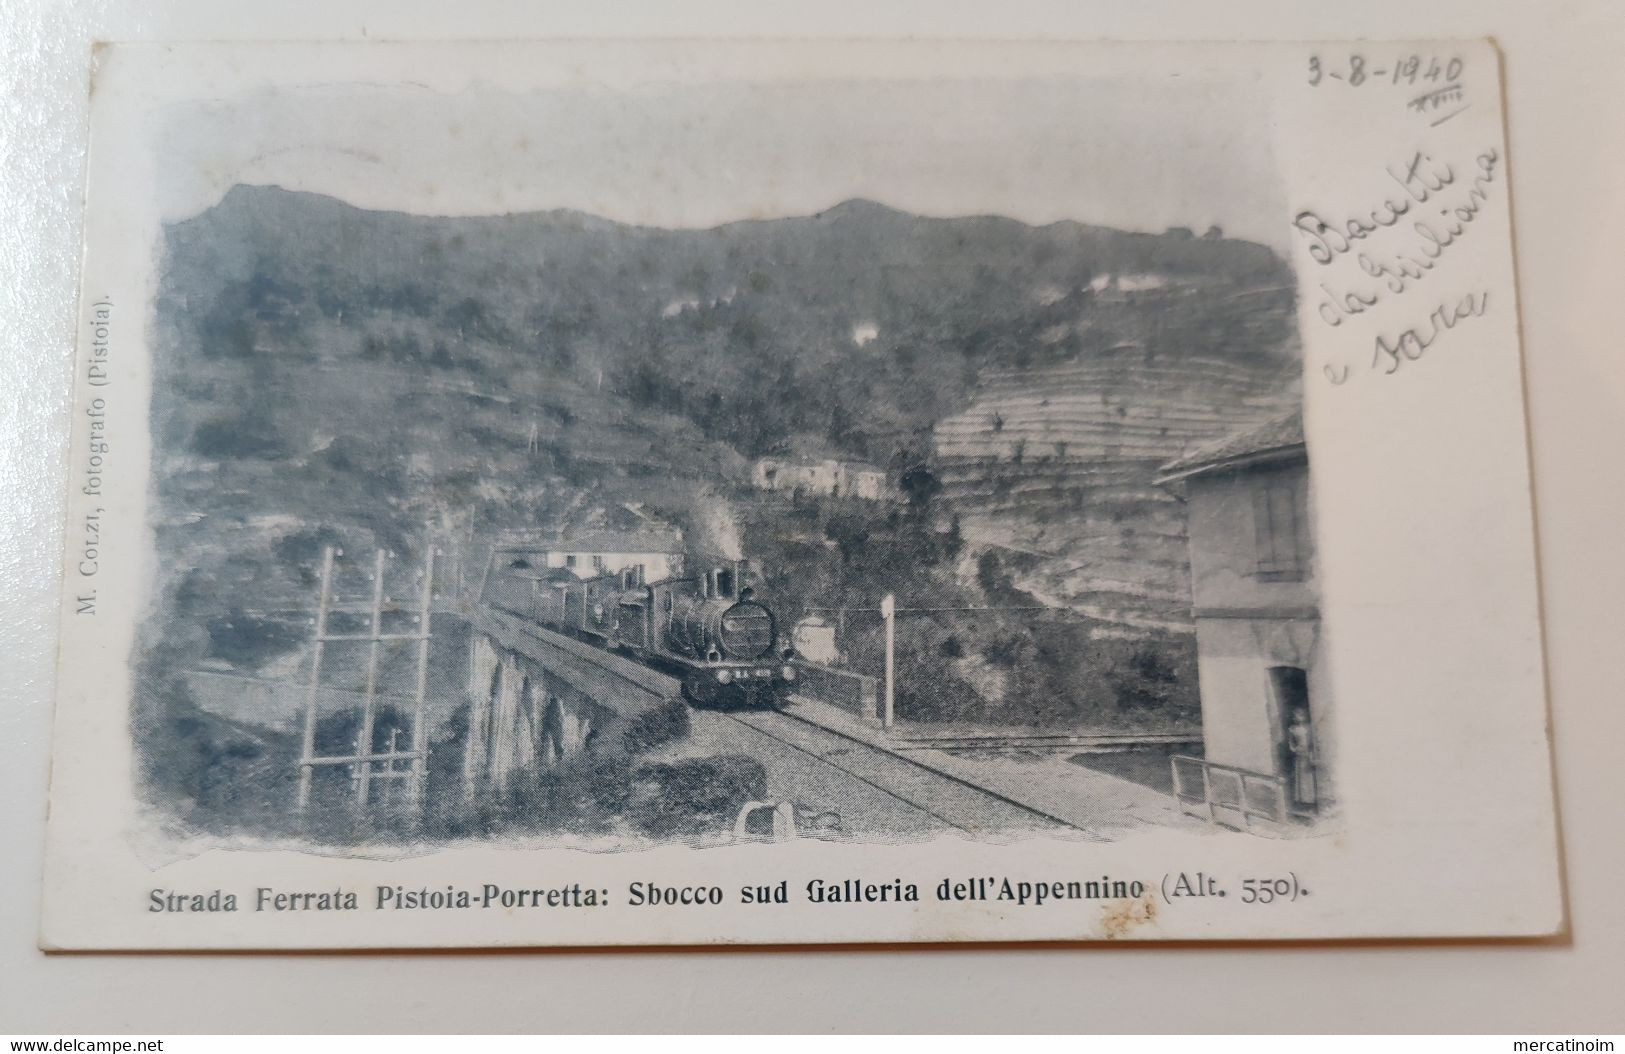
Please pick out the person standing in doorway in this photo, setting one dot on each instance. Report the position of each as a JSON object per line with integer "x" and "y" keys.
{"x": 1300, "y": 741}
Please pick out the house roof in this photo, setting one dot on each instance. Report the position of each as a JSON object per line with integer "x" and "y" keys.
{"x": 1275, "y": 439}
{"x": 620, "y": 542}
{"x": 795, "y": 461}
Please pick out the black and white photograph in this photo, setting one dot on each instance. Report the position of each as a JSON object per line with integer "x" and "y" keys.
{"x": 962, "y": 489}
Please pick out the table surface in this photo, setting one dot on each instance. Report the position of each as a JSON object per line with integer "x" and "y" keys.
{"x": 1563, "y": 76}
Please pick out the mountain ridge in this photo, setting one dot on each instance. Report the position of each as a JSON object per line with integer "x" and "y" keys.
{"x": 856, "y": 207}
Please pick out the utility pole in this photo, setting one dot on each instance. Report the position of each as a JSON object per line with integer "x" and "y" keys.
{"x": 888, "y": 612}
{"x": 888, "y": 616}
{"x": 364, "y": 787}
{"x": 363, "y": 762}
{"x": 307, "y": 750}
{"x": 416, "y": 782}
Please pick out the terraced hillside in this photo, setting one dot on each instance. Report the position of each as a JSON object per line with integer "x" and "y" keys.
{"x": 1054, "y": 466}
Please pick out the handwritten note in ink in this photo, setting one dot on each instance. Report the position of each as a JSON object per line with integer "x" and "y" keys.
{"x": 1389, "y": 265}
{"x": 1417, "y": 249}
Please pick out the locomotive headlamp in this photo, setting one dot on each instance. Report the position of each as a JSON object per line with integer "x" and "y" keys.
{"x": 725, "y": 676}
{"x": 788, "y": 673}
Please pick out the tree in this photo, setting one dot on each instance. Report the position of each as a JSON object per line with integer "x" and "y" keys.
{"x": 920, "y": 485}
{"x": 954, "y": 544}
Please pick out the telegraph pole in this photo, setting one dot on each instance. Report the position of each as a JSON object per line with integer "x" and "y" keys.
{"x": 307, "y": 749}
{"x": 888, "y": 616}
{"x": 888, "y": 612}
{"x": 364, "y": 785}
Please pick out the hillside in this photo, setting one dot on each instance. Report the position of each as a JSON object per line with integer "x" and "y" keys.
{"x": 1053, "y": 466}
{"x": 328, "y": 374}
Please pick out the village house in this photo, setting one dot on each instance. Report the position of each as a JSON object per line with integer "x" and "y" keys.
{"x": 658, "y": 553}
{"x": 1265, "y": 689}
{"x": 824, "y": 476}
{"x": 814, "y": 638}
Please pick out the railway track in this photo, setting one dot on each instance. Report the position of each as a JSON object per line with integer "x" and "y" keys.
{"x": 1070, "y": 744}
{"x": 956, "y": 802}
{"x": 949, "y": 799}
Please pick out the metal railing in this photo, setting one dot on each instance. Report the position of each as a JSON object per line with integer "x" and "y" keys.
{"x": 1215, "y": 792}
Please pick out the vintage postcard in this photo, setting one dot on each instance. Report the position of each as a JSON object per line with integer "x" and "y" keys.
{"x": 584, "y": 493}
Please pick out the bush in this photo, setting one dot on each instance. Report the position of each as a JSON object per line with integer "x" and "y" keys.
{"x": 583, "y": 797}
{"x": 207, "y": 771}
{"x": 250, "y": 641}
{"x": 694, "y": 796}
{"x": 1148, "y": 680}
{"x": 664, "y": 724}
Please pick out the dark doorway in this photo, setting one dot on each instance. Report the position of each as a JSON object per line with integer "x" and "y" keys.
{"x": 1290, "y": 687}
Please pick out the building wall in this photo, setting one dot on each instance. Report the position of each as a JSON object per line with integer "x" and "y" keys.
{"x": 656, "y": 566}
{"x": 1241, "y": 722}
{"x": 814, "y": 641}
{"x": 821, "y": 477}
{"x": 1223, "y": 512}
{"x": 855, "y": 693}
{"x": 868, "y": 485}
{"x": 1256, "y": 606}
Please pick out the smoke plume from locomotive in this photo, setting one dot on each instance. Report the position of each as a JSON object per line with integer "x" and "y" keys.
{"x": 718, "y": 528}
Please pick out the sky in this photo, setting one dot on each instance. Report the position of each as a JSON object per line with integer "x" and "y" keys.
{"x": 1139, "y": 153}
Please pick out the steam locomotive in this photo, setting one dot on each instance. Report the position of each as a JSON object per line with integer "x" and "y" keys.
{"x": 710, "y": 628}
